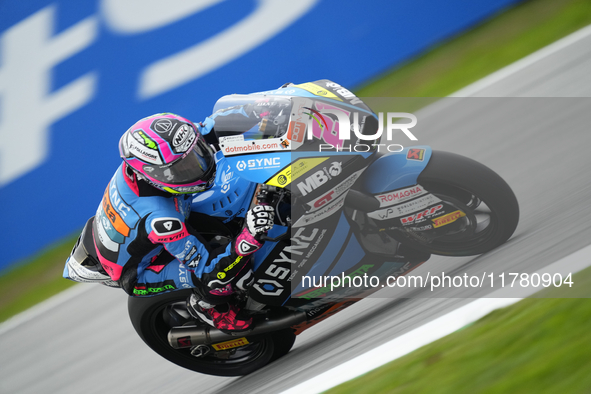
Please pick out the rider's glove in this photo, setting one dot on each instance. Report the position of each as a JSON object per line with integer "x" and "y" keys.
{"x": 259, "y": 220}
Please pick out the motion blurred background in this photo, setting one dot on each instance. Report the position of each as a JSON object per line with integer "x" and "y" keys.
{"x": 74, "y": 74}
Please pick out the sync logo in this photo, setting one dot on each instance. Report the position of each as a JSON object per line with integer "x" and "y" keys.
{"x": 258, "y": 164}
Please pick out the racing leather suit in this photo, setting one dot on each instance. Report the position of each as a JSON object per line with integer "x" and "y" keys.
{"x": 144, "y": 242}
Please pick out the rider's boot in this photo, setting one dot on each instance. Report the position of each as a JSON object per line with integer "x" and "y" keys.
{"x": 224, "y": 317}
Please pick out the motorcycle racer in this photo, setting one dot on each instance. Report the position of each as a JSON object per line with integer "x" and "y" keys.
{"x": 141, "y": 238}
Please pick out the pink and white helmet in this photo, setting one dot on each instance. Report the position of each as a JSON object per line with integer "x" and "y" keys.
{"x": 167, "y": 151}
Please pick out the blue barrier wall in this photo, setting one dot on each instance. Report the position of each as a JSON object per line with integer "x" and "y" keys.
{"x": 74, "y": 74}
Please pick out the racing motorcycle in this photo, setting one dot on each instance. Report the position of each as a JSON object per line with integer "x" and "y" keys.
{"x": 342, "y": 209}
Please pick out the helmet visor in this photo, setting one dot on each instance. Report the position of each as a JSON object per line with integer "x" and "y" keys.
{"x": 193, "y": 167}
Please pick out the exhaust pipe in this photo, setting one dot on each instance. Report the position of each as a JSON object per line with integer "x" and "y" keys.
{"x": 189, "y": 336}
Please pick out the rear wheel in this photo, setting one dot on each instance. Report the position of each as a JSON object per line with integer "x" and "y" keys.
{"x": 491, "y": 208}
{"x": 153, "y": 317}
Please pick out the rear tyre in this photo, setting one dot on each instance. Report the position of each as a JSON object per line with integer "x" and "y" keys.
{"x": 152, "y": 318}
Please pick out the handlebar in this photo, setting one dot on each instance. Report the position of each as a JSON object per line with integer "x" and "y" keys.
{"x": 286, "y": 234}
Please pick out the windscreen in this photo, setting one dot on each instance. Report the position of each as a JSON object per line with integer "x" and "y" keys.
{"x": 251, "y": 116}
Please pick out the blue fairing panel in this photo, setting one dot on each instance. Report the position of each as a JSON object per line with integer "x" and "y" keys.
{"x": 330, "y": 253}
{"x": 261, "y": 254}
{"x": 396, "y": 170}
{"x": 229, "y": 197}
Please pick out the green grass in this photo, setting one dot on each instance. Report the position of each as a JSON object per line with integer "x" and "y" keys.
{"x": 502, "y": 40}
{"x": 31, "y": 281}
{"x": 534, "y": 346}
{"x": 437, "y": 73}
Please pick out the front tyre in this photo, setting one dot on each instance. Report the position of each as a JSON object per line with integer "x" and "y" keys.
{"x": 492, "y": 210}
{"x": 153, "y": 317}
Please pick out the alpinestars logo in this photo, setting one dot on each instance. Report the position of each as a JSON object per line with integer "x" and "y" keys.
{"x": 195, "y": 262}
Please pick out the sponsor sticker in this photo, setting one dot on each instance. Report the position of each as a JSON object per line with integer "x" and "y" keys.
{"x": 323, "y": 212}
{"x": 142, "y": 151}
{"x": 142, "y": 138}
{"x": 259, "y": 164}
{"x": 230, "y": 344}
{"x": 416, "y": 154}
{"x": 143, "y": 289}
{"x": 114, "y": 217}
{"x": 299, "y": 117}
{"x": 181, "y": 135}
{"x": 232, "y": 138}
{"x": 162, "y": 125}
{"x": 295, "y": 170}
{"x": 193, "y": 263}
{"x": 186, "y": 143}
{"x": 405, "y": 208}
{"x": 337, "y": 191}
{"x": 238, "y": 147}
{"x": 319, "y": 178}
{"x": 447, "y": 219}
{"x": 282, "y": 180}
{"x": 296, "y": 131}
{"x": 421, "y": 216}
{"x": 346, "y": 93}
{"x": 166, "y": 226}
{"x": 184, "y": 342}
{"x": 400, "y": 195}
{"x": 317, "y": 90}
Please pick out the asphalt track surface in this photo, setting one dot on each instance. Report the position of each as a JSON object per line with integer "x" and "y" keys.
{"x": 537, "y": 141}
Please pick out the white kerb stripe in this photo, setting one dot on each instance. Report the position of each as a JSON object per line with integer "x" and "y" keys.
{"x": 435, "y": 329}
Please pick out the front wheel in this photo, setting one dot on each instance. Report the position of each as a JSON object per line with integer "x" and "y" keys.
{"x": 490, "y": 206}
{"x": 153, "y": 317}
